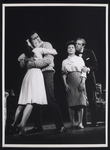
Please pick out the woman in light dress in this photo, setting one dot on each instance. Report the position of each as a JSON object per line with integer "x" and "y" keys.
{"x": 74, "y": 81}
{"x": 32, "y": 89}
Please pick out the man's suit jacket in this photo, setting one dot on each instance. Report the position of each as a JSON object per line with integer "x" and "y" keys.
{"x": 91, "y": 62}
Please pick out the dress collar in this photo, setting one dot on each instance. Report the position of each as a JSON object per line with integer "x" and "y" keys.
{"x": 70, "y": 57}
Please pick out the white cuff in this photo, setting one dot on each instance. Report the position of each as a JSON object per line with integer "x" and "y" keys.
{"x": 88, "y": 70}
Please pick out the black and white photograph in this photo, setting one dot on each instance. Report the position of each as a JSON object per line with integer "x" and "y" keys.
{"x": 54, "y": 75}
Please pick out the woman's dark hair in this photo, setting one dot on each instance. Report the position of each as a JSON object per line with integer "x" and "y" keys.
{"x": 70, "y": 42}
{"x": 27, "y": 50}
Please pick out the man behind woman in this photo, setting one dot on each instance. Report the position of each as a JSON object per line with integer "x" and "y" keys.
{"x": 91, "y": 63}
{"x": 74, "y": 75}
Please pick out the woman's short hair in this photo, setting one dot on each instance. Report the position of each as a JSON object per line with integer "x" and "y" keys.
{"x": 72, "y": 42}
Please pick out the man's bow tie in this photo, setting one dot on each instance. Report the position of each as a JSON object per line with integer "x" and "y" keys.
{"x": 78, "y": 52}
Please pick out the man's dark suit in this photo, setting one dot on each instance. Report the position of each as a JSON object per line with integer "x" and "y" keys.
{"x": 91, "y": 62}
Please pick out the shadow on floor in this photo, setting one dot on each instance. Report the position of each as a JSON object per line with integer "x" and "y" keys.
{"x": 88, "y": 135}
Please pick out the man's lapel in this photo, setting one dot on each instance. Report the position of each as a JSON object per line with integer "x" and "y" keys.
{"x": 84, "y": 56}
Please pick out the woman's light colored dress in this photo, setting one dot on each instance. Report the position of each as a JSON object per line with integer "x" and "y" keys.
{"x": 71, "y": 67}
{"x": 33, "y": 88}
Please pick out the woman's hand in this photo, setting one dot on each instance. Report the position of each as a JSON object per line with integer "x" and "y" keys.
{"x": 67, "y": 87}
{"x": 81, "y": 87}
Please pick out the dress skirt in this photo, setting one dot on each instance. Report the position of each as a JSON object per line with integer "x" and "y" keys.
{"x": 74, "y": 97}
{"x": 33, "y": 89}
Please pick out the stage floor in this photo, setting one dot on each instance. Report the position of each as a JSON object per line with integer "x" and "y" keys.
{"x": 88, "y": 135}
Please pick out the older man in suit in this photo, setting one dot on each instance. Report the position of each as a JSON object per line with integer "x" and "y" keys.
{"x": 91, "y": 65}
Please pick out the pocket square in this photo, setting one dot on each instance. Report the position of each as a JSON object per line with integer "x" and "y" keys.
{"x": 87, "y": 58}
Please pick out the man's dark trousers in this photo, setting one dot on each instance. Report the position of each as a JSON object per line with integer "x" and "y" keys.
{"x": 52, "y": 103}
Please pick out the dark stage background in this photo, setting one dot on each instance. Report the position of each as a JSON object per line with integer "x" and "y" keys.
{"x": 56, "y": 25}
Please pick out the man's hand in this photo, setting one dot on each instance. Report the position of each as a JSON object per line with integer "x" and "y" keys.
{"x": 81, "y": 87}
{"x": 85, "y": 69}
{"x": 26, "y": 59}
